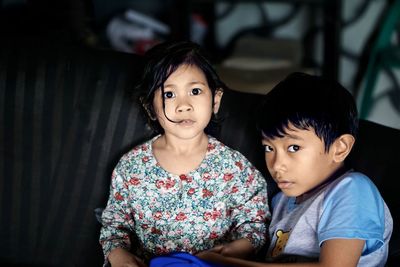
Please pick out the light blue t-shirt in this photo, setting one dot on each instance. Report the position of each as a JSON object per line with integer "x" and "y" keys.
{"x": 347, "y": 207}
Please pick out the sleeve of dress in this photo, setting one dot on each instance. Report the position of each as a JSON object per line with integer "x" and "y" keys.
{"x": 251, "y": 214}
{"x": 116, "y": 218}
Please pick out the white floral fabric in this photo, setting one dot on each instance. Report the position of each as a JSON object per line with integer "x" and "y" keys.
{"x": 153, "y": 212}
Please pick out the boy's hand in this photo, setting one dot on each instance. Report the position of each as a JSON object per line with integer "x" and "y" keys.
{"x": 119, "y": 257}
{"x": 240, "y": 248}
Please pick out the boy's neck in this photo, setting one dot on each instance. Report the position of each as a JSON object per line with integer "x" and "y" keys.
{"x": 339, "y": 172}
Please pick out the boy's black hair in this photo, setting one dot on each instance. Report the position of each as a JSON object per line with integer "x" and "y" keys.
{"x": 161, "y": 61}
{"x": 309, "y": 102}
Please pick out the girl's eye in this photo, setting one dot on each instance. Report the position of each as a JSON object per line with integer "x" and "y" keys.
{"x": 169, "y": 94}
{"x": 268, "y": 149}
{"x": 196, "y": 91}
{"x": 293, "y": 148}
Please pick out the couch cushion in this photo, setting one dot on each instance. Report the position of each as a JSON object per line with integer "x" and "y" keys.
{"x": 66, "y": 120}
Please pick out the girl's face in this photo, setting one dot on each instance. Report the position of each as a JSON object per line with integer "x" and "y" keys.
{"x": 188, "y": 103}
{"x": 298, "y": 161}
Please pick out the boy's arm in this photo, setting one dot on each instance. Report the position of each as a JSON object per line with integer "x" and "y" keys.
{"x": 241, "y": 248}
{"x": 334, "y": 252}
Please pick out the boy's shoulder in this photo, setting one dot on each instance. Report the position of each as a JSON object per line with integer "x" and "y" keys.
{"x": 352, "y": 181}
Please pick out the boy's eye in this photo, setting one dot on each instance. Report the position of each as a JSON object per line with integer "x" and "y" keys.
{"x": 196, "y": 91}
{"x": 169, "y": 94}
{"x": 268, "y": 148}
{"x": 293, "y": 148}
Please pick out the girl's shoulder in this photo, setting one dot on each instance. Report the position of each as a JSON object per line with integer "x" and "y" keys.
{"x": 141, "y": 151}
{"x": 223, "y": 150}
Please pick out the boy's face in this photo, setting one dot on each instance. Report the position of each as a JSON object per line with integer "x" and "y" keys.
{"x": 298, "y": 161}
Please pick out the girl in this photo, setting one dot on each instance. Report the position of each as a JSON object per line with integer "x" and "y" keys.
{"x": 183, "y": 190}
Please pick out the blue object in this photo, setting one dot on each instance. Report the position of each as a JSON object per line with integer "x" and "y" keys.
{"x": 180, "y": 259}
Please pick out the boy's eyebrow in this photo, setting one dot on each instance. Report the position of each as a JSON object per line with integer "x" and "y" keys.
{"x": 285, "y": 135}
{"x": 293, "y": 136}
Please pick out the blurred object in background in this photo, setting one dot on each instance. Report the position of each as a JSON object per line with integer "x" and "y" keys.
{"x": 134, "y": 32}
{"x": 198, "y": 28}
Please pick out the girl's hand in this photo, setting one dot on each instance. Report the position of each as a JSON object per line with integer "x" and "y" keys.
{"x": 119, "y": 257}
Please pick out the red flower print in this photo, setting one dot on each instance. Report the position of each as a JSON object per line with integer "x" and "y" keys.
{"x": 207, "y": 193}
{"x": 210, "y": 147}
{"x": 239, "y": 164}
{"x": 234, "y": 189}
{"x": 155, "y": 231}
{"x": 216, "y": 214}
{"x": 180, "y": 216}
{"x": 144, "y": 147}
{"x": 207, "y": 215}
{"x": 182, "y": 177}
{"x": 260, "y": 213}
{"x": 118, "y": 196}
{"x": 170, "y": 183}
{"x": 145, "y": 159}
{"x": 134, "y": 181}
{"x": 206, "y": 176}
{"x": 159, "y": 184}
{"x": 157, "y": 215}
{"x": 213, "y": 235}
{"x": 145, "y": 226}
{"x": 250, "y": 179}
{"x": 228, "y": 177}
{"x": 190, "y": 191}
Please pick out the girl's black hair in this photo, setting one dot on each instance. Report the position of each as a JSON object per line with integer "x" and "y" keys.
{"x": 308, "y": 102}
{"x": 161, "y": 61}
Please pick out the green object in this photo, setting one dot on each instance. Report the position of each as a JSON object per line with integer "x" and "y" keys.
{"x": 383, "y": 54}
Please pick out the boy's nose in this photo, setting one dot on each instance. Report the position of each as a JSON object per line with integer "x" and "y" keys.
{"x": 277, "y": 163}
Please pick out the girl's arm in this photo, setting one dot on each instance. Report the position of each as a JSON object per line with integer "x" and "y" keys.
{"x": 116, "y": 222}
{"x": 119, "y": 257}
{"x": 334, "y": 252}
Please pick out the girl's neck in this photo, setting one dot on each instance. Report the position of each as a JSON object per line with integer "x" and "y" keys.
{"x": 177, "y": 146}
{"x": 180, "y": 156}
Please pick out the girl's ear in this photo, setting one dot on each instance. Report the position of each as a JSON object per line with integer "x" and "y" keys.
{"x": 342, "y": 147}
{"x": 149, "y": 111}
{"x": 217, "y": 99}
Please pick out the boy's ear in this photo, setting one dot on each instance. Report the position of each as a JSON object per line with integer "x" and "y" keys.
{"x": 217, "y": 100}
{"x": 342, "y": 147}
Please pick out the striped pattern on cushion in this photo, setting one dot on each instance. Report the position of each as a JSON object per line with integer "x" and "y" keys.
{"x": 66, "y": 119}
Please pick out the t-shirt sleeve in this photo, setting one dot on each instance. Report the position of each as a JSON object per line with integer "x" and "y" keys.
{"x": 353, "y": 209}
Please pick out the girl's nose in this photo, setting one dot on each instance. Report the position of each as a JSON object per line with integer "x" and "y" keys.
{"x": 184, "y": 106}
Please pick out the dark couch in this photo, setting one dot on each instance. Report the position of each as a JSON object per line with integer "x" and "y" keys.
{"x": 66, "y": 119}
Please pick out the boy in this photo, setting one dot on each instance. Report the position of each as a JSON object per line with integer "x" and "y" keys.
{"x": 325, "y": 213}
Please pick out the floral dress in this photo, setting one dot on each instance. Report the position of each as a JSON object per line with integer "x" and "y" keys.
{"x": 153, "y": 212}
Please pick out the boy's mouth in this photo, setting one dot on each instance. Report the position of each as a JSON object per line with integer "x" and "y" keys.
{"x": 284, "y": 184}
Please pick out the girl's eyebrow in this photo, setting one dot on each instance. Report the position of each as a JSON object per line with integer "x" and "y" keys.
{"x": 170, "y": 85}
{"x": 197, "y": 82}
